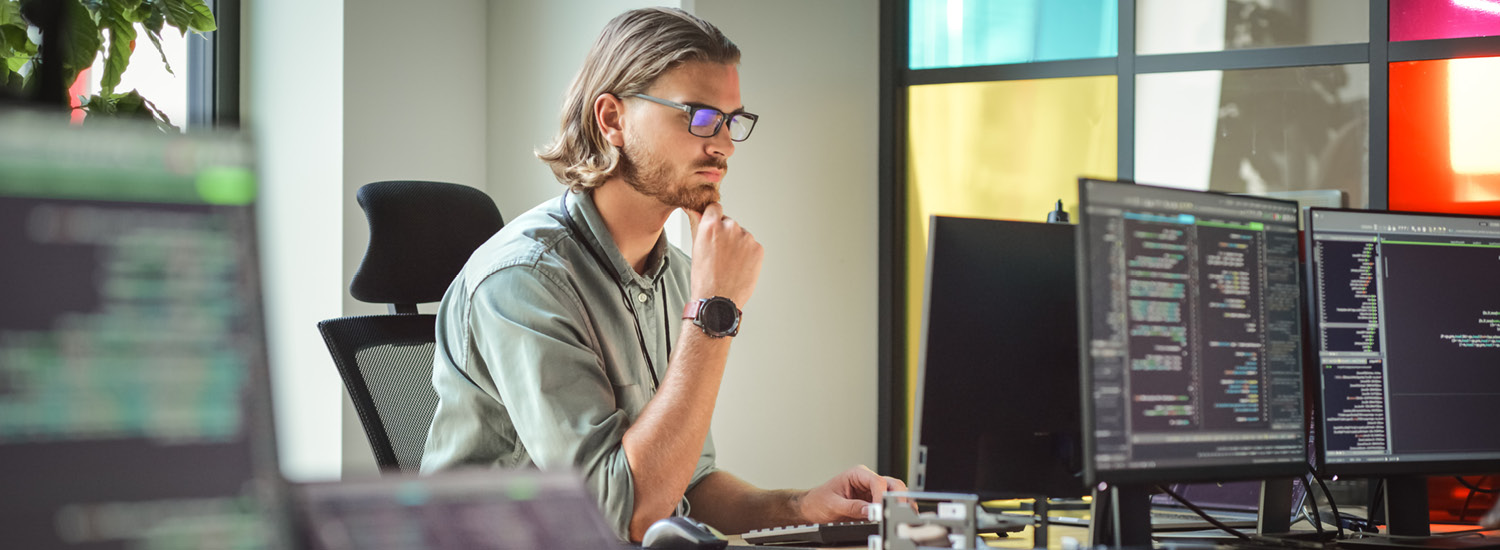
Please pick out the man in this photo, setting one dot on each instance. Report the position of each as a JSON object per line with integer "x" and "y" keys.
{"x": 562, "y": 344}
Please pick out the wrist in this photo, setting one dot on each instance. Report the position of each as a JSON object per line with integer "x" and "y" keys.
{"x": 794, "y": 505}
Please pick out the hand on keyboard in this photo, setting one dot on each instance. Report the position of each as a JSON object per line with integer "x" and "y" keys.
{"x": 845, "y": 497}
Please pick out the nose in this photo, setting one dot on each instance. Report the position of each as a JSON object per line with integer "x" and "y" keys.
{"x": 720, "y": 145}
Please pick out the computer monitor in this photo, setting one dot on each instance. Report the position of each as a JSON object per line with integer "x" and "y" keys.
{"x": 1189, "y": 324}
{"x": 134, "y": 399}
{"x": 997, "y": 387}
{"x": 1405, "y": 311}
{"x": 474, "y": 509}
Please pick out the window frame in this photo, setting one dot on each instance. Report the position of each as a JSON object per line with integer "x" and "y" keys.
{"x": 894, "y": 434}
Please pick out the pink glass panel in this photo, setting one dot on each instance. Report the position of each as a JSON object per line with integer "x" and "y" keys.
{"x": 1428, "y": 19}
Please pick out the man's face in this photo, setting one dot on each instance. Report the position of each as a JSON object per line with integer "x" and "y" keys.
{"x": 660, "y": 158}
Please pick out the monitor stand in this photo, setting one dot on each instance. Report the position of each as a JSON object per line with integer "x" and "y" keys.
{"x": 1122, "y": 514}
{"x": 1405, "y": 506}
{"x": 1121, "y": 517}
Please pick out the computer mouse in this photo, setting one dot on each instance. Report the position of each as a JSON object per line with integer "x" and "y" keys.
{"x": 681, "y": 533}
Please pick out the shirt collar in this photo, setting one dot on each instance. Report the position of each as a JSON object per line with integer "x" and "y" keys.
{"x": 582, "y": 209}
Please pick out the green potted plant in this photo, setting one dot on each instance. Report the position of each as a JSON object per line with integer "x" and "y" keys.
{"x": 92, "y": 28}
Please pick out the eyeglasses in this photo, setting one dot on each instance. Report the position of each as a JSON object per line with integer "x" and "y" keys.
{"x": 706, "y": 121}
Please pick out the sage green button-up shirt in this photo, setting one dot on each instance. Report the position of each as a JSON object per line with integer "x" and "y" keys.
{"x": 538, "y": 363}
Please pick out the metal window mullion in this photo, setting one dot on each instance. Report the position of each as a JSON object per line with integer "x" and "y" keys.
{"x": 1377, "y": 188}
{"x": 892, "y": 435}
{"x": 1125, "y": 63}
{"x": 1099, "y": 66}
{"x": 1446, "y": 48}
{"x": 1258, "y": 58}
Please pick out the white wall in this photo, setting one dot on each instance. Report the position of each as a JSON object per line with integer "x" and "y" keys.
{"x": 341, "y": 94}
{"x": 295, "y": 111}
{"x": 535, "y": 49}
{"x": 415, "y": 107}
{"x": 798, "y": 403}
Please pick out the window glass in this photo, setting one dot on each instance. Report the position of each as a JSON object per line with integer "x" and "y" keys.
{"x": 958, "y": 33}
{"x": 1442, "y": 141}
{"x": 1178, "y": 26}
{"x": 1256, "y": 131}
{"x": 999, "y": 150}
{"x": 147, "y": 74}
{"x": 1427, "y": 19}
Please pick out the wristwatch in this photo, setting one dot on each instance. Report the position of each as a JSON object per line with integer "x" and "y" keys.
{"x": 717, "y": 316}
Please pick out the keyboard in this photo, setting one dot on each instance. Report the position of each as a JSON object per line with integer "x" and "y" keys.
{"x": 844, "y": 533}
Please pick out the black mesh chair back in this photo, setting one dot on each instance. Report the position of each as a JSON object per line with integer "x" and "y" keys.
{"x": 421, "y": 233}
{"x": 386, "y": 364}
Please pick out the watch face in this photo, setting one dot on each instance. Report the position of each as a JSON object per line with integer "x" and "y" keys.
{"x": 718, "y": 315}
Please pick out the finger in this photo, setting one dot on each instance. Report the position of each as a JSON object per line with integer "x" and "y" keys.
{"x": 893, "y": 484}
{"x": 875, "y": 483}
{"x": 713, "y": 212}
{"x": 852, "y": 508}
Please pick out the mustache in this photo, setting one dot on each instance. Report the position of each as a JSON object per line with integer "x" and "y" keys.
{"x": 721, "y": 164}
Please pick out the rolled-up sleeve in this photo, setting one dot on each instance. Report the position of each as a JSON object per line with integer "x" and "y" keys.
{"x": 541, "y": 358}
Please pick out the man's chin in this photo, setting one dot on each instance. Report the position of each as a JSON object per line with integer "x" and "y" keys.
{"x": 700, "y": 201}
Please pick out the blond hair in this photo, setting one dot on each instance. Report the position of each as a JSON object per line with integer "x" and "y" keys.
{"x": 634, "y": 49}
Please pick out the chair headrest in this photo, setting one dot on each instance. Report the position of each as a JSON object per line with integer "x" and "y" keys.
{"x": 421, "y": 233}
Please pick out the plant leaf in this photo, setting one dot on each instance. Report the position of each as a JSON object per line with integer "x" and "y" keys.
{"x": 121, "y": 33}
{"x": 13, "y": 39}
{"x": 10, "y": 13}
{"x": 127, "y": 105}
{"x": 126, "y": 8}
{"x": 189, "y": 15}
{"x": 80, "y": 46}
{"x": 156, "y": 41}
{"x": 152, "y": 20}
{"x": 162, "y": 122}
{"x": 154, "y": 17}
{"x": 203, "y": 18}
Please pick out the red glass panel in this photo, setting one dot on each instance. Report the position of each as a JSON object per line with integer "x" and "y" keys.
{"x": 1444, "y": 153}
{"x": 1428, "y": 19}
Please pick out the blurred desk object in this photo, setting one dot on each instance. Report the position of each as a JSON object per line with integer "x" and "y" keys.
{"x": 1056, "y": 534}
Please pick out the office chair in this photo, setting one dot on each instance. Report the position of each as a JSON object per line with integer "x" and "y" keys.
{"x": 421, "y": 233}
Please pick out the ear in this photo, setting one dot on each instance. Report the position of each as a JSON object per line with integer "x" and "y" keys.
{"x": 609, "y": 114}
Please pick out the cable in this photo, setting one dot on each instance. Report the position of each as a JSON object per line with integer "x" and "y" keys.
{"x": 1377, "y": 502}
{"x": 1210, "y": 519}
{"x": 1307, "y": 496}
{"x": 1474, "y": 487}
{"x": 1469, "y": 500}
{"x": 1331, "y": 504}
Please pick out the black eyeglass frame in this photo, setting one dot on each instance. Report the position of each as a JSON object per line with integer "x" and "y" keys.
{"x": 692, "y": 111}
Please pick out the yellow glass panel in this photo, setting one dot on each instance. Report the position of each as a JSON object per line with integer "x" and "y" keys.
{"x": 1006, "y": 150}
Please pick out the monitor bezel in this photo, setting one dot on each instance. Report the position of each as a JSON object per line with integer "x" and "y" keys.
{"x": 1310, "y": 361}
{"x": 1092, "y": 473}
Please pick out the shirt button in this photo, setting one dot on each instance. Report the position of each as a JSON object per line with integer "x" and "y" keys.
{"x": 642, "y": 297}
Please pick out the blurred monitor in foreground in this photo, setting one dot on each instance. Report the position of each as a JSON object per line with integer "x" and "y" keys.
{"x": 471, "y": 510}
{"x": 134, "y": 400}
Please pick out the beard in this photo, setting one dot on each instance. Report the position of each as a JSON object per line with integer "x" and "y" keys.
{"x": 651, "y": 176}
